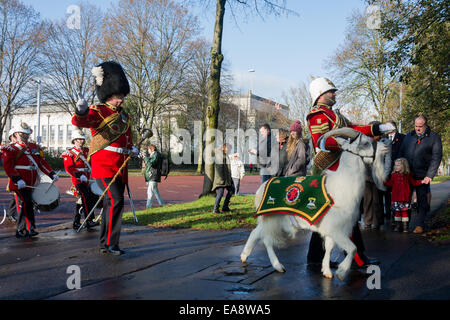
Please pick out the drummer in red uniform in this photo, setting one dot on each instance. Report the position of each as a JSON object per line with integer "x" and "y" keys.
{"x": 322, "y": 119}
{"x": 11, "y": 214}
{"x": 110, "y": 146}
{"x": 78, "y": 167}
{"x": 21, "y": 161}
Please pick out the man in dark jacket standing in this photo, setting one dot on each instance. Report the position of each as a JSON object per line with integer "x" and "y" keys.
{"x": 153, "y": 163}
{"x": 396, "y": 139}
{"x": 423, "y": 150}
{"x": 264, "y": 153}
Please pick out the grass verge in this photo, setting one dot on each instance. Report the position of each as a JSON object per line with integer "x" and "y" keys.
{"x": 441, "y": 226}
{"x": 198, "y": 215}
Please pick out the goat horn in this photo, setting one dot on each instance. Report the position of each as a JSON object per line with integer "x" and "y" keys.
{"x": 346, "y": 132}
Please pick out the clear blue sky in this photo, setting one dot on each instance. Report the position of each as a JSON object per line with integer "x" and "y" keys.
{"x": 282, "y": 50}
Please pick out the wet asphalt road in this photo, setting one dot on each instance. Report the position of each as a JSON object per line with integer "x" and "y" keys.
{"x": 186, "y": 264}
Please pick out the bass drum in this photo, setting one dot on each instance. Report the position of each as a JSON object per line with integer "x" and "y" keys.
{"x": 95, "y": 189}
{"x": 45, "y": 196}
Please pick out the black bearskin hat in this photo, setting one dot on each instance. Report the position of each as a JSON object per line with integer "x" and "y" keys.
{"x": 110, "y": 79}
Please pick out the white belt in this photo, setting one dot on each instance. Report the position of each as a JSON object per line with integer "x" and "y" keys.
{"x": 25, "y": 167}
{"x": 82, "y": 169}
{"x": 118, "y": 150}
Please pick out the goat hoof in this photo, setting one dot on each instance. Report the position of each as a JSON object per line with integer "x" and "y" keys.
{"x": 328, "y": 275}
{"x": 243, "y": 258}
{"x": 280, "y": 268}
{"x": 341, "y": 274}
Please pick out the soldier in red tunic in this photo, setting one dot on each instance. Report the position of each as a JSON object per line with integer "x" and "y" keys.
{"x": 11, "y": 214}
{"x": 78, "y": 167}
{"x": 110, "y": 146}
{"x": 22, "y": 162}
{"x": 321, "y": 120}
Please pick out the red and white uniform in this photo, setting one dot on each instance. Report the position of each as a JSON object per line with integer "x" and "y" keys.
{"x": 323, "y": 119}
{"x": 21, "y": 161}
{"x": 76, "y": 164}
{"x": 106, "y": 162}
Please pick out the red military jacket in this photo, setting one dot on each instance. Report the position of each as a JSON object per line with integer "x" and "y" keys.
{"x": 76, "y": 164}
{"x": 323, "y": 119}
{"x": 21, "y": 161}
{"x": 105, "y": 163}
{"x": 401, "y": 186}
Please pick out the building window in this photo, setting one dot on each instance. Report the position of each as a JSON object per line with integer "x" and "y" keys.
{"x": 44, "y": 134}
{"x": 69, "y": 134}
{"x": 52, "y": 134}
{"x": 60, "y": 134}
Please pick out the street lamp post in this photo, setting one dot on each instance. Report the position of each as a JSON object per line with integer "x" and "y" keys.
{"x": 38, "y": 107}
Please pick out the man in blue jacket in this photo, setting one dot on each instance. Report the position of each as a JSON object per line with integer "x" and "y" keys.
{"x": 423, "y": 150}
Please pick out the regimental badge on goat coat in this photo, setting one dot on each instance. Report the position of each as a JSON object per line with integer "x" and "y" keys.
{"x": 305, "y": 197}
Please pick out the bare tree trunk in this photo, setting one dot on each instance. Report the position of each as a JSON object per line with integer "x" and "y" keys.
{"x": 212, "y": 111}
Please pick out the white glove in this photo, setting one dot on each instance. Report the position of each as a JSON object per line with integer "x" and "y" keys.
{"x": 386, "y": 127}
{"x": 83, "y": 178}
{"x": 82, "y": 105}
{"x": 135, "y": 151}
{"x": 55, "y": 177}
{"x": 21, "y": 184}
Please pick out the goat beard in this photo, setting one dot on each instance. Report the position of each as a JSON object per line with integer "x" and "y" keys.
{"x": 378, "y": 173}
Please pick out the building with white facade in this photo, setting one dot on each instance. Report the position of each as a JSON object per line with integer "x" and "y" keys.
{"x": 55, "y": 126}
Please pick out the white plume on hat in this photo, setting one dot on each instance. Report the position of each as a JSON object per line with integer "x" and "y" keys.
{"x": 97, "y": 72}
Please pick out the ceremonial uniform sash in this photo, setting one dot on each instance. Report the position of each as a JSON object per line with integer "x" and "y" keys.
{"x": 305, "y": 197}
{"x": 109, "y": 131}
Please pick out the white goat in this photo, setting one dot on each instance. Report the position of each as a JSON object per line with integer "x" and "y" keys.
{"x": 345, "y": 186}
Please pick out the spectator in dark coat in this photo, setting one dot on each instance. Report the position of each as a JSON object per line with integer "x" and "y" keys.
{"x": 222, "y": 178}
{"x": 264, "y": 153}
{"x": 297, "y": 152}
{"x": 396, "y": 139}
{"x": 282, "y": 138}
{"x": 423, "y": 150}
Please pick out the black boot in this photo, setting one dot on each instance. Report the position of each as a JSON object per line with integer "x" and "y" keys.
{"x": 22, "y": 234}
{"x": 216, "y": 210}
{"x": 226, "y": 209}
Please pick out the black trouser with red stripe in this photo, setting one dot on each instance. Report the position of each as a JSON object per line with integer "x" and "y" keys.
{"x": 113, "y": 202}
{"x": 88, "y": 200}
{"x": 316, "y": 250}
{"x": 12, "y": 208}
{"x": 25, "y": 220}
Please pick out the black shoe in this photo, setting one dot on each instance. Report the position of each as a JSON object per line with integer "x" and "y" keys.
{"x": 76, "y": 225}
{"x": 103, "y": 250}
{"x": 115, "y": 250}
{"x": 33, "y": 233}
{"x": 91, "y": 224}
{"x": 367, "y": 262}
{"x": 226, "y": 209}
{"x": 21, "y": 234}
{"x": 216, "y": 210}
{"x": 12, "y": 218}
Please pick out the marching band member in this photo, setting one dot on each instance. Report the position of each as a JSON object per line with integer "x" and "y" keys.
{"x": 22, "y": 162}
{"x": 78, "y": 167}
{"x": 110, "y": 147}
{"x": 11, "y": 214}
{"x": 321, "y": 120}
